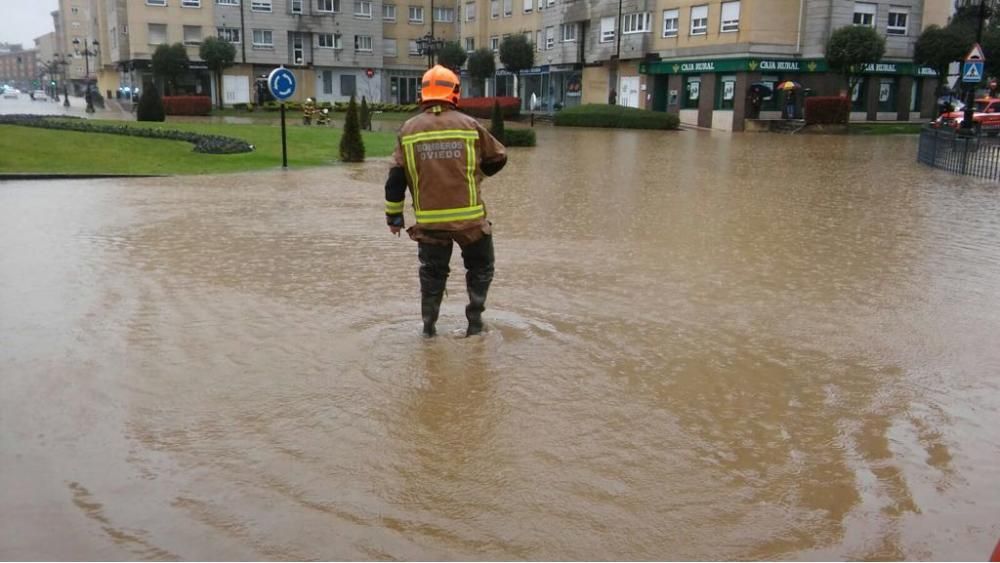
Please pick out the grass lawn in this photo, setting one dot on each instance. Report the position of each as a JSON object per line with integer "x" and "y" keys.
{"x": 27, "y": 149}
{"x": 885, "y": 129}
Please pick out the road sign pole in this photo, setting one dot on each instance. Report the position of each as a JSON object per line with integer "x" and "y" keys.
{"x": 284, "y": 143}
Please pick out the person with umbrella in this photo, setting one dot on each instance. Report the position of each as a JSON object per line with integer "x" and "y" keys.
{"x": 755, "y": 98}
{"x": 789, "y": 87}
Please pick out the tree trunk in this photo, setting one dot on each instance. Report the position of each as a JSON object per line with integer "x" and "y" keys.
{"x": 218, "y": 87}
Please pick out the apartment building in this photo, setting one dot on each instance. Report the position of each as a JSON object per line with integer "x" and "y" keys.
{"x": 404, "y": 23}
{"x": 75, "y": 29}
{"x": 19, "y": 67}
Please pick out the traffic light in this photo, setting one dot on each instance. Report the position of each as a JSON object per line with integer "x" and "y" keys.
{"x": 52, "y": 83}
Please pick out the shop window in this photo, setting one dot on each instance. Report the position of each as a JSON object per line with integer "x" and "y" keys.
{"x": 915, "y": 92}
{"x": 348, "y": 85}
{"x": 770, "y": 103}
{"x": 898, "y": 16}
{"x": 671, "y": 19}
{"x": 859, "y": 96}
{"x": 692, "y": 92}
{"x": 730, "y": 17}
{"x": 699, "y": 20}
{"x": 725, "y": 95}
{"x": 887, "y": 95}
{"x": 864, "y": 13}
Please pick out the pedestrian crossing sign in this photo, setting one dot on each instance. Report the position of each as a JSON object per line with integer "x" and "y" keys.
{"x": 972, "y": 71}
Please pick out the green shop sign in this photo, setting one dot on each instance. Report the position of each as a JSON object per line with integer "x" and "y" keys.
{"x": 773, "y": 65}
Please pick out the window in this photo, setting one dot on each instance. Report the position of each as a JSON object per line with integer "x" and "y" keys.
{"x": 298, "y": 48}
{"x": 897, "y": 20}
{"x": 692, "y": 91}
{"x": 414, "y": 48}
{"x": 508, "y": 8}
{"x": 494, "y": 9}
{"x": 191, "y": 3}
{"x": 470, "y": 11}
{"x": 157, "y": 33}
{"x": 445, "y": 15}
{"x": 635, "y": 23}
{"x": 363, "y": 9}
{"x": 552, "y": 2}
{"x": 231, "y": 34}
{"x": 417, "y": 14}
{"x": 328, "y": 6}
{"x": 325, "y": 40}
{"x": 550, "y": 37}
{"x": 295, "y": 6}
{"x": 328, "y": 82}
{"x": 568, "y": 32}
{"x": 389, "y": 12}
{"x": 494, "y": 43}
{"x": 730, "y": 17}
{"x": 864, "y": 14}
{"x": 607, "y": 29}
{"x": 389, "y": 47}
{"x": 470, "y": 44}
{"x": 114, "y": 38}
{"x": 670, "y": 22}
{"x": 227, "y": 2}
{"x": 348, "y": 85}
{"x": 263, "y": 38}
{"x": 148, "y": 3}
{"x": 538, "y": 39}
{"x": 363, "y": 43}
{"x": 75, "y": 10}
{"x": 192, "y": 35}
{"x": 699, "y": 20}
{"x": 529, "y": 5}
{"x": 725, "y": 93}
{"x": 260, "y": 5}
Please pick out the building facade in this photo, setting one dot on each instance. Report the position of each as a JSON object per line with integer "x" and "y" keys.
{"x": 19, "y": 68}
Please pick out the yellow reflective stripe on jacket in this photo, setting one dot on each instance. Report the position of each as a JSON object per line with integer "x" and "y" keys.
{"x": 443, "y": 133}
{"x": 411, "y": 164}
{"x": 448, "y": 215}
{"x": 470, "y": 136}
{"x": 393, "y": 207}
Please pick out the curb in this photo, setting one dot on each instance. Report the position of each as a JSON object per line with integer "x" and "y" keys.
{"x": 43, "y": 176}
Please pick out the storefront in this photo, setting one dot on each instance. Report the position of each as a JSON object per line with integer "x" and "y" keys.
{"x": 713, "y": 93}
{"x": 545, "y": 89}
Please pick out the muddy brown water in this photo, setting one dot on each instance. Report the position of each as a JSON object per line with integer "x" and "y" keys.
{"x": 700, "y": 346}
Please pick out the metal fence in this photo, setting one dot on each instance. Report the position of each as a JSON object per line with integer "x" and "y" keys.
{"x": 972, "y": 155}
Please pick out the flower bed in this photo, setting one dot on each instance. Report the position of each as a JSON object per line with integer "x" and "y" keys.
{"x": 187, "y": 105}
{"x": 207, "y": 144}
{"x": 482, "y": 108}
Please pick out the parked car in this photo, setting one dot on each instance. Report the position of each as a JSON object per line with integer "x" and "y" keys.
{"x": 985, "y": 117}
{"x": 39, "y": 96}
{"x": 10, "y": 94}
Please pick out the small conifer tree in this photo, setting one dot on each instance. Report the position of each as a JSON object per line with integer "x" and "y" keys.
{"x": 352, "y": 147}
{"x": 496, "y": 124}
{"x": 150, "y": 106}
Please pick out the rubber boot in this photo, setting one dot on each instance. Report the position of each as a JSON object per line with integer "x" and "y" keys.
{"x": 477, "y": 304}
{"x": 430, "y": 306}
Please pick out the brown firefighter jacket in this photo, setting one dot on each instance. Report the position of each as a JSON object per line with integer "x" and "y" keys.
{"x": 443, "y": 156}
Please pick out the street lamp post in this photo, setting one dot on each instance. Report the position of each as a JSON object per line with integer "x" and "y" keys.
{"x": 87, "y": 53}
{"x": 428, "y": 44}
{"x": 970, "y": 96}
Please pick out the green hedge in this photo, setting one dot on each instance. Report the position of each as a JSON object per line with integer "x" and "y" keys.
{"x": 519, "y": 137}
{"x": 600, "y": 115}
{"x": 208, "y": 144}
{"x": 337, "y": 106}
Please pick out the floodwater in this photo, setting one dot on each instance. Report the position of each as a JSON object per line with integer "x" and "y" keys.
{"x": 700, "y": 346}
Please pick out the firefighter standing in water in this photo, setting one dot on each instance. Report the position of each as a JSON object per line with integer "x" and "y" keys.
{"x": 443, "y": 156}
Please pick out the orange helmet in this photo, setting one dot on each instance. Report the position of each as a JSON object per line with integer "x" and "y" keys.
{"x": 439, "y": 84}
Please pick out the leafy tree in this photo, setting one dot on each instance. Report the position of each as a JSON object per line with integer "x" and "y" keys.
{"x": 218, "y": 54}
{"x": 938, "y": 47}
{"x": 482, "y": 66}
{"x": 352, "y": 147}
{"x": 852, "y": 47}
{"x": 517, "y": 54}
{"x": 452, "y": 55}
{"x": 365, "y": 117}
{"x": 150, "y": 105}
{"x": 496, "y": 123}
{"x": 170, "y": 62}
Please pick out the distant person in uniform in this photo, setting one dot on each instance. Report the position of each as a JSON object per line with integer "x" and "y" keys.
{"x": 790, "y": 105}
{"x": 443, "y": 156}
{"x": 612, "y": 97}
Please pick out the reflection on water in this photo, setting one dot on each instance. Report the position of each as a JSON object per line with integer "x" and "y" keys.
{"x": 700, "y": 346}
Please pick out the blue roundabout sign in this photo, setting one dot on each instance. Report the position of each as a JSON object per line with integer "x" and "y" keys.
{"x": 281, "y": 83}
